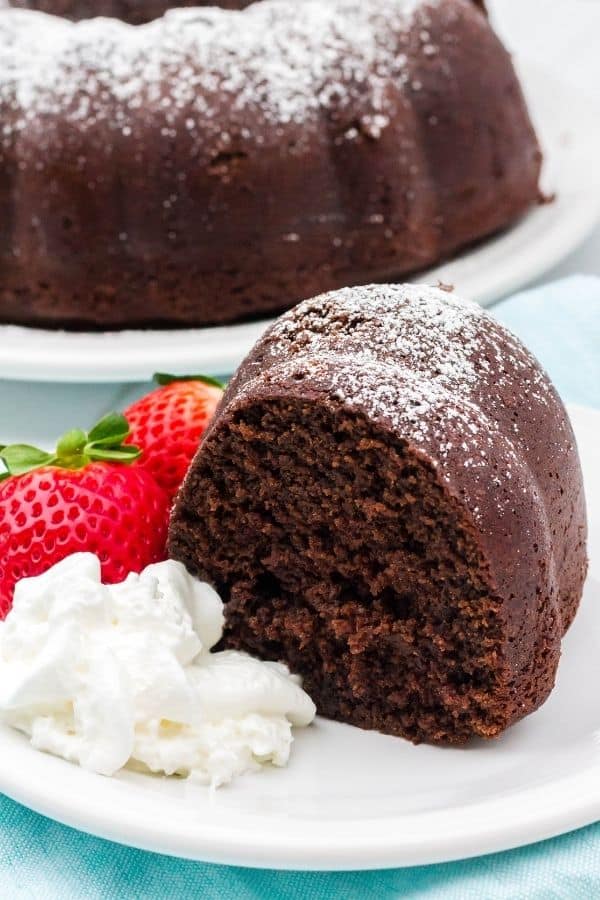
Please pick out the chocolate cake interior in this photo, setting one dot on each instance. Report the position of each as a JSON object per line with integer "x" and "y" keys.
{"x": 338, "y": 551}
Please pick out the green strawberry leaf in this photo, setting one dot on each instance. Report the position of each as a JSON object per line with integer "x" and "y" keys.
{"x": 105, "y": 440}
{"x": 163, "y": 378}
{"x": 21, "y": 458}
{"x": 111, "y": 429}
{"x": 121, "y": 454}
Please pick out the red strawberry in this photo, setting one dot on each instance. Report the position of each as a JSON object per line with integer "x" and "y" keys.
{"x": 81, "y": 498}
{"x": 168, "y": 425}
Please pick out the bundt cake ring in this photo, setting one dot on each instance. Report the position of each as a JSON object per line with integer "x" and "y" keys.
{"x": 136, "y": 12}
{"x": 215, "y": 165}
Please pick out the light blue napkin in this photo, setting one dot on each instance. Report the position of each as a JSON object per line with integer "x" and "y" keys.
{"x": 560, "y": 323}
{"x": 41, "y": 859}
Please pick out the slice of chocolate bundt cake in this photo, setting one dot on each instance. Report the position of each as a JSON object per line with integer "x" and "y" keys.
{"x": 390, "y": 500}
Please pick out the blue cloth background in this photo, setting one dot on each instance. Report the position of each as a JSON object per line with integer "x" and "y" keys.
{"x": 41, "y": 859}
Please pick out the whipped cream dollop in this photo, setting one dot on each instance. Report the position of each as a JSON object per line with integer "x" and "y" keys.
{"x": 114, "y": 675}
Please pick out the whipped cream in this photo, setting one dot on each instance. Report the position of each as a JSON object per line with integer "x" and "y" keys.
{"x": 114, "y": 675}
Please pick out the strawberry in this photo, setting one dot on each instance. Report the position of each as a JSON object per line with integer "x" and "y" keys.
{"x": 83, "y": 497}
{"x": 168, "y": 425}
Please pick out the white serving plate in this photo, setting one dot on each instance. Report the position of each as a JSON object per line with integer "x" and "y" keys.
{"x": 352, "y": 799}
{"x": 569, "y": 128}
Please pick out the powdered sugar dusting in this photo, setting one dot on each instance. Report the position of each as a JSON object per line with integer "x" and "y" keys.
{"x": 284, "y": 60}
{"x": 415, "y": 327}
{"x": 430, "y": 366}
{"x": 448, "y": 345}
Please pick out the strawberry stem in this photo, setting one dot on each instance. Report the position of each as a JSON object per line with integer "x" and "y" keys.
{"x": 75, "y": 449}
{"x": 70, "y": 447}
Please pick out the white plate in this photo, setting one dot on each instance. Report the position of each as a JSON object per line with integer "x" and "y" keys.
{"x": 569, "y": 128}
{"x": 351, "y": 799}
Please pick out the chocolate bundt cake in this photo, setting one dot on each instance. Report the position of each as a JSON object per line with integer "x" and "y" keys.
{"x": 214, "y": 166}
{"x": 136, "y": 12}
{"x": 390, "y": 500}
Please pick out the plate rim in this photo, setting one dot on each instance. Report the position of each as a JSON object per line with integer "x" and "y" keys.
{"x": 121, "y": 357}
{"x": 493, "y": 829}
